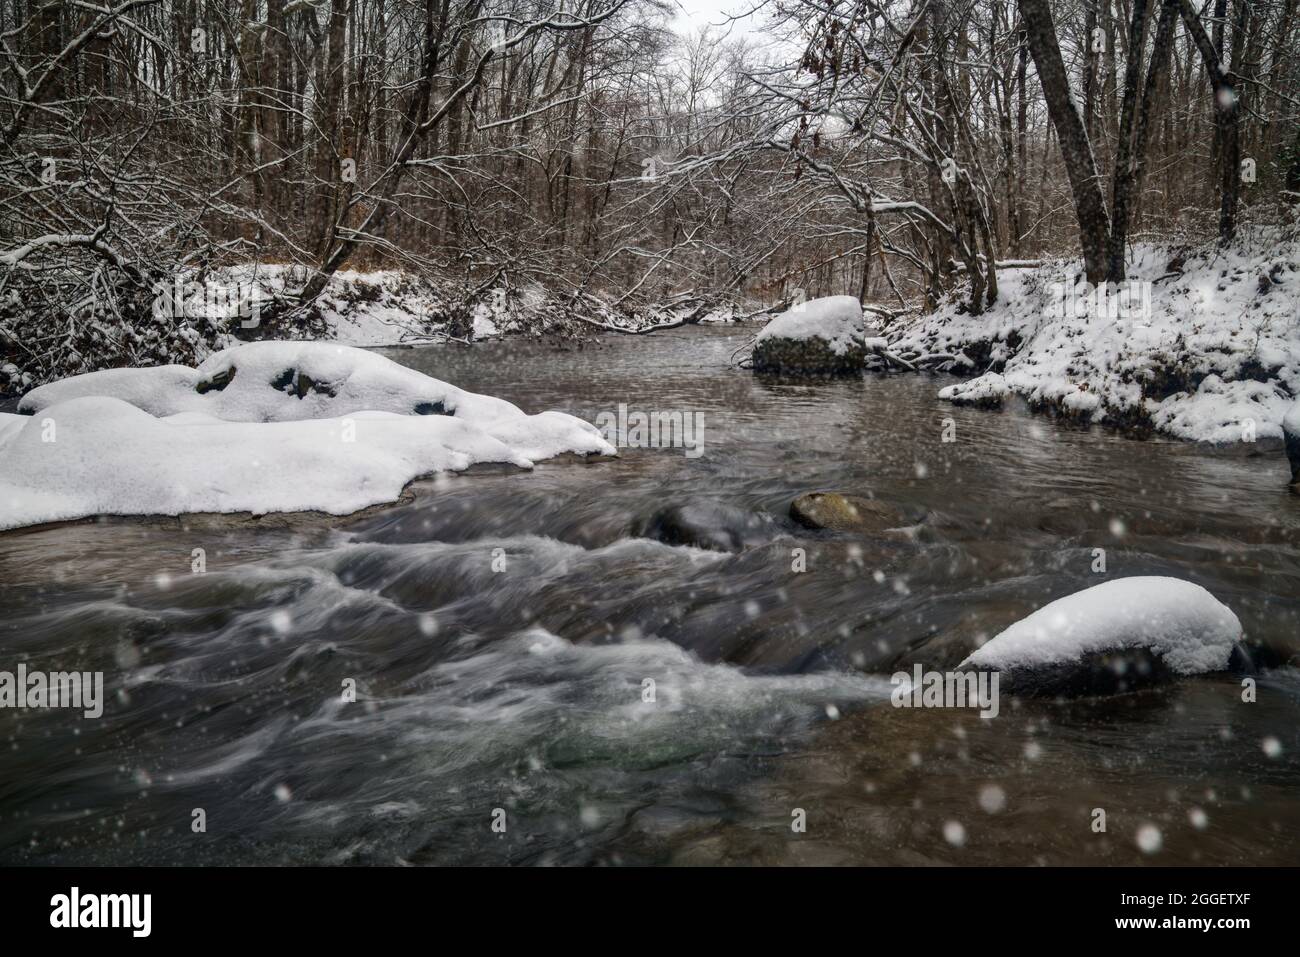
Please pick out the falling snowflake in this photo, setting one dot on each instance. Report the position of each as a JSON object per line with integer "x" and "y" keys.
{"x": 992, "y": 798}
{"x": 1149, "y": 839}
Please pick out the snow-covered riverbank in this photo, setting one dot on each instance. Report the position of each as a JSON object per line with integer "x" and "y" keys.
{"x": 1205, "y": 345}
{"x": 388, "y": 307}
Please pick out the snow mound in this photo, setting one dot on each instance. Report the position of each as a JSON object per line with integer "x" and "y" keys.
{"x": 292, "y": 381}
{"x": 835, "y": 319}
{"x": 1190, "y": 629}
{"x": 264, "y": 427}
{"x": 160, "y": 390}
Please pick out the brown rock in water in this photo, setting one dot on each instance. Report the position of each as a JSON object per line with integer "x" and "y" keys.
{"x": 843, "y": 513}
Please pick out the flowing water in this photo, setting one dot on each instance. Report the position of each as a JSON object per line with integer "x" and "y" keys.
{"x": 504, "y": 632}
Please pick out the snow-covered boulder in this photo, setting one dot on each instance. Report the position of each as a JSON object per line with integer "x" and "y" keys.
{"x": 986, "y": 391}
{"x": 818, "y": 337}
{"x": 1291, "y": 432}
{"x": 1115, "y": 636}
{"x": 265, "y": 427}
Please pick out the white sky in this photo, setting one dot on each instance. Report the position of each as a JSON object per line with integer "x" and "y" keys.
{"x": 693, "y": 14}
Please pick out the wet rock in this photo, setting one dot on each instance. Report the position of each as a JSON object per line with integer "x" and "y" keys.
{"x": 216, "y": 382}
{"x": 1106, "y": 673}
{"x": 843, "y": 513}
{"x": 1291, "y": 430}
{"x": 711, "y": 525}
{"x": 1093, "y": 675}
{"x": 821, "y": 337}
{"x": 295, "y": 382}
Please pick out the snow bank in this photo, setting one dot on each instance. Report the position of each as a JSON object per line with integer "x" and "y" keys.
{"x": 1209, "y": 348}
{"x": 835, "y": 319}
{"x": 1184, "y": 624}
{"x": 360, "y": 308}
{"x": 265, "y": 427}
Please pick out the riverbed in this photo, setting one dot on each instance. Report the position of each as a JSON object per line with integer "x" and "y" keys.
{"x": 506, "y": 669}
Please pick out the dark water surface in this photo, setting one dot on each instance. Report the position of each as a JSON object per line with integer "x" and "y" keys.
{"x": 501, "y": 629}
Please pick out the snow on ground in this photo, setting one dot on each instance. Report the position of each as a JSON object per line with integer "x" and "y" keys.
{"x": 376, "y": 308}
{"x": 264, "y": 427}
{"x": 836, "y": 319}
{"x": 1180, "y": 621}
{"x": 1203, "y": 345}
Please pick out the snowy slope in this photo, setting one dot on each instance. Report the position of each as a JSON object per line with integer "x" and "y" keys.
{"x": 1210, "y": 351}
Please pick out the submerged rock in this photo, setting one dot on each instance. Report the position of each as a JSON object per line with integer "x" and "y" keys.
{"x": 1115, "y": 637}
{"x": 711, "y": 525}
{"x": 818, "y": 337}
{"x": 843, "y": 513}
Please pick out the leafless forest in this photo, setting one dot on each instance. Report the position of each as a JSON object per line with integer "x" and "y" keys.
{"x": 634, "y": 171}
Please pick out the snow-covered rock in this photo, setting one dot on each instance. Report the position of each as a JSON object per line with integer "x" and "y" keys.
{"x": 1114, "y": 631}
{"x": 821, "y": 336}
{"x": 265, "y": 427}
{"x": 986, "y": 390}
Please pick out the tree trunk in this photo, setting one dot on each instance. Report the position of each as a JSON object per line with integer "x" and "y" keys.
{"x": 1076, "y": 149}
{"x": 1223, "y": 83}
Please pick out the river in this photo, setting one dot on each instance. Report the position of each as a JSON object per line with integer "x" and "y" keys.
{"x": 536, "y": 683}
